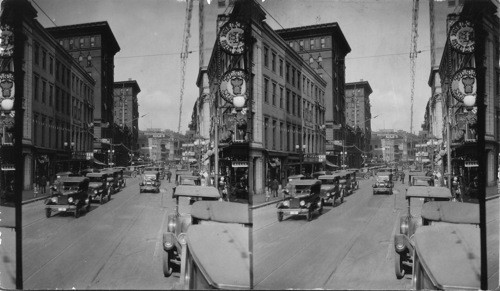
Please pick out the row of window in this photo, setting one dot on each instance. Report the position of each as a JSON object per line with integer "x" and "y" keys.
{"x": 78, "y": 42}
{"x": 43, "y": 91}
{"x": 291, "y": 103}
{"x": 309, "y": 44}
{"x": 279, "y": 137}
{"x": 50, "y": 134}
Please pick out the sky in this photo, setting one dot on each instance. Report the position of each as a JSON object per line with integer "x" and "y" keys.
{"x": 150, "y": 35}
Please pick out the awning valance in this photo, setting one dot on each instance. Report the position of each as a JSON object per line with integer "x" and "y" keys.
{"x": 331, "y": 164}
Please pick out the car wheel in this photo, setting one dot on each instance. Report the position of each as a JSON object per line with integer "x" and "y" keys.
{"x": 87, "y": 208}
{"x": 398, "y": 266}
{"x": 280, "y": 216}
{"x": 77, "y": 212}
{"x": 309, "y": 215}
{"x": 320, "y": 207}
{"x": 48, "y": 212}
{"x": 101, "y": 198}
{"x": 167, "y": 269}
{"x": 109, "y": 195}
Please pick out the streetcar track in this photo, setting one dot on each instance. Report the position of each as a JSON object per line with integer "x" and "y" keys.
{"x": 112, "y": 212}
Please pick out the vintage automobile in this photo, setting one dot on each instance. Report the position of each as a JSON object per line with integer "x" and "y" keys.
{"x": 302, "y": 199}
{"x": 447, "y": 251}
{"x": 118, "y": 172}
{"x": 383, "y": 184}
{"x": 215, "y": 249}
{"x": 99, "y": 188}
{"x": 421, "y": 181}
{"x": 150, "y": 182}
{"x": 315, "y": 175}
{"x": 179, "y": 173}
{"x": 71, "y": 195}
{"x": 178, "y": 223}
{"x": 409, "y": 222}
{"x": 414, "y": 174}
{"x": 296, "y": 177}
{"x": 189, "y": 180}
{"x": 331, "y": 191}
{"x": 160, "y": 170}
{"x": 351, "y": 175}
{"x": 115, "y": 179}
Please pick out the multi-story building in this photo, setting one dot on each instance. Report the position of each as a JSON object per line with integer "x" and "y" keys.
{"x": 126, "y": 109}
{"x": 358, "y": 117}
{"x": 324, "y": 47}
{"x": 94, "y": 46}
{"x": 59, "y": 101}
{"x": 286, "y": 131}
{"x": 459, "y": 66}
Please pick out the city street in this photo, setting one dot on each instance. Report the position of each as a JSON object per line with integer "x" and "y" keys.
{"x": 116, "y": 245}
{"x": 349, "y": 246}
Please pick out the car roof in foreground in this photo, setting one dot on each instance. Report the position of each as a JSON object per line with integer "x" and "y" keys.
{"x": 221, "y": 211}
{"x": 73, "y": 179}
{"x": 221, "y": 251}
{"x": 450, "y": 254}
{"x": 305, "y": 182}
{"x": 196, "y": 191}
{"x": 96, "y": 174}
{"x": 450, "y": 211}
{"x": 428, "y": 192}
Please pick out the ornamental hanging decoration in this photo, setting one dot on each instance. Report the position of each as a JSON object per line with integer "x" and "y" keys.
{"x": 232, "y": 37}
{"x": 463, "y": 83}
{"x": 6, "y": 41}
{"x": 234, "y": 84}
{"x": 462, "y": 37}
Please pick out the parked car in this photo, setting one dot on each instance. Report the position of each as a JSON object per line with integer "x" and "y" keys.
{"x": 303, "y": 198}
{"x": 345, "y": 182}
{"x": 447, "y": 251}
{"x": 296, "y": 177}
{"x": 409, "y": 222}
{"x": 180, "y": 173}
{"x": 189, "y": 180}
{"x": 315, "y": 175}
{"x": 384, "y": 183}
{"x": 150, "y": 182}
{"x": 177, "y": 223}
{"x": 71, "y": 195}
{"x": 115, "y": 179}
{"x": 421, "y": 181}
{"x": 160, "y": 170}
{"x": 99, "y": 188}
{"x": 331, "y": 192}
{"x": 216, "y": 247}
{"x": 352, "y": 178}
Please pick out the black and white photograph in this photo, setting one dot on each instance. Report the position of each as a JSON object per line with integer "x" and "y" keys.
{"x": 249, "y": 144}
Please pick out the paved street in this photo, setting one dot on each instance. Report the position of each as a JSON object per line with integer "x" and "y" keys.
{"x": 116, "y": 245}
{"x": 349, "y": 246}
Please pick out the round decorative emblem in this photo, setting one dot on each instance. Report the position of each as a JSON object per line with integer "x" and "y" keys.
{"x": 6, "y": 41}
{"x": 232, "y": 37}
{"x": 7, "y": 84}
{"x": 461, "y": 37}
{"x": 234, "y": 83}
{"x": 463, "y": 83}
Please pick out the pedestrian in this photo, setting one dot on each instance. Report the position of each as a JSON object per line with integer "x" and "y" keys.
{"x": 42, "y": 184}
{"x": 274, "y": 187}
{"x": 169, "y": 175}
{"x": 402, "y": 177}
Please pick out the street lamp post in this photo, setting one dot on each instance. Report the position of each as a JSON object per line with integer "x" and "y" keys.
{"x": 302, "y": 153}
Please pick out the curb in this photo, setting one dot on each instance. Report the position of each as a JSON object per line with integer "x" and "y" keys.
{"x": 34, "y": 199}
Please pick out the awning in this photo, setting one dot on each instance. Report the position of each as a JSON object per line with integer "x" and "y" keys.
{"x": 96, "y": 161}
{"x": 330, "y": 164}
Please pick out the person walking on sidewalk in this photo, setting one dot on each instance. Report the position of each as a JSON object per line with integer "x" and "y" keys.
{"x": 274, "y": 187}
{"x": 42, "y": 184}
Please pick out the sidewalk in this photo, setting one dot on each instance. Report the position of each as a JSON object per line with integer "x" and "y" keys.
{"x": 259, "y": 200}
